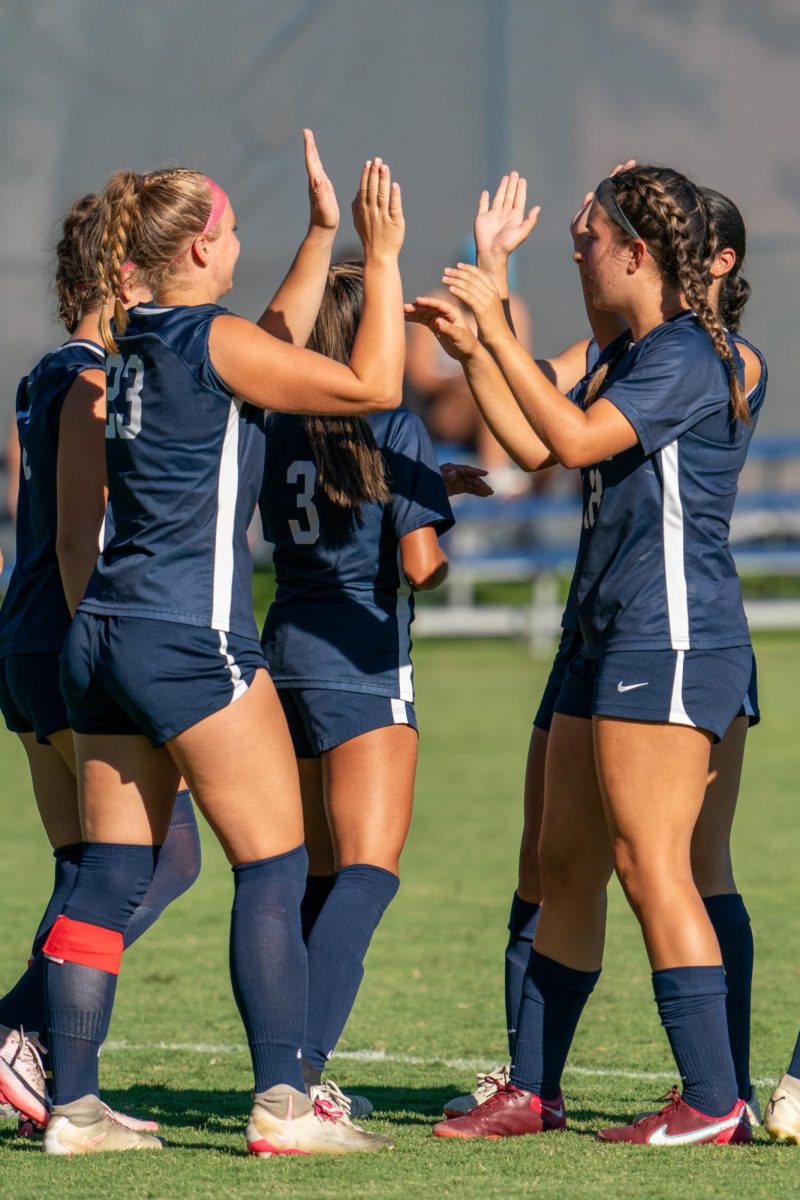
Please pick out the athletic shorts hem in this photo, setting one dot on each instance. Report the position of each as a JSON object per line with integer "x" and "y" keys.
{"x": 342, "y": 684}
{"x": 331, "y": 743}
{"x": 167, "y": 733}
{"x": 657, "y": 718}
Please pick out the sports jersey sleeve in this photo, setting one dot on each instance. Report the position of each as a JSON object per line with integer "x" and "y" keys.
{"x": 674, "y": 385}
{"x": 419, "y": 496}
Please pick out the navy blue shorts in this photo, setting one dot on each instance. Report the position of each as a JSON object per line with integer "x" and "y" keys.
{"x": 320, "y": 719}
{"x": 131, "y": 675}
{"x": 568, "y": 646}
{"x": 698, "y": 688}
{"x": 30, "y": 695}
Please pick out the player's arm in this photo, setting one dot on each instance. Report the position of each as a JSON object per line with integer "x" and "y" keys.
{"x": 485, "y": 380}
{"x": 273, "y": 374}
{"x": 423, "y": 560}
{"x": 293, "y": 310}
{"x": 576, "y": 437}
{"x": 81, "y": 482}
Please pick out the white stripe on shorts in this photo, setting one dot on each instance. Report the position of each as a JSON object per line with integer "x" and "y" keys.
{"x": 238, "y": 684}
{"x": 399, "y": 712}
{"x": 677, "y": 713}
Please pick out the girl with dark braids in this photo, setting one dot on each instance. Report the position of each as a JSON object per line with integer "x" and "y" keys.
{"x": 660, "y": 429}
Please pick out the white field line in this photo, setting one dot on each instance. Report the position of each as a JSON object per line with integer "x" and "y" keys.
{"x": 408, "y": 1060}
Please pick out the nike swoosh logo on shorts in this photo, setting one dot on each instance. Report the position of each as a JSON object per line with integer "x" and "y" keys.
{"x": 629, "y": 687}
{"x": 662, "y": 1138}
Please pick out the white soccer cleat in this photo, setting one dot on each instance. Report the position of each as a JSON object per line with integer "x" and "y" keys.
{"x": 22, "y": 1078}
{"x": 488, "y": 1083}
{"x": 354, "y": 1106}
{"x": 286, "y": 1121}
{"x": 754, "y": 1109}
{"x": 782, "y": 1115}
{"x": 86, "y": 1126}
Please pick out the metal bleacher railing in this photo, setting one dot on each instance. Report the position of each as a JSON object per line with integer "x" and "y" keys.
{"x": 533, "y": 540}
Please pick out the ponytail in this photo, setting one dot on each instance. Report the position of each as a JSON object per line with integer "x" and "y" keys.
{"x": 118, "y": 202}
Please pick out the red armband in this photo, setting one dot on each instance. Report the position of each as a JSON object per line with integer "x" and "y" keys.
{"x": 84, "y": 944}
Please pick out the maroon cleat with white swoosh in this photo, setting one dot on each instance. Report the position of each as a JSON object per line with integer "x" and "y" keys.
{"x": 678, "y": 1124}
{"x": 509, "y": 1112}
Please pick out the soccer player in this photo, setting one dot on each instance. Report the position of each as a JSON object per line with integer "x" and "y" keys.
{"x": 60, "y": 416}
{"x": 163, "y": 670}
{"x": 661, "y": 429}
{"x": 342, "y": 497}
{"x": 499, "y": 229}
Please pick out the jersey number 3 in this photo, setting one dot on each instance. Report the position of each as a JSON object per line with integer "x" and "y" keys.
{"x": 124, "y": 397}
{"x": 305, "y": 474}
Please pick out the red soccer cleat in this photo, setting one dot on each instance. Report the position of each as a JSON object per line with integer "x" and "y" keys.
{"x": 678, "y": 1124}
{"x": 510, "y": 1112}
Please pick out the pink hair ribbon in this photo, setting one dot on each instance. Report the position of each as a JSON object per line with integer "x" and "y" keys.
{"x": 219, "y": 199}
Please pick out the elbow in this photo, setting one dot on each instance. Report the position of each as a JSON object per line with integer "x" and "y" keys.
{"x": 575, "y": 455}
{"x": 426, "y": 576}
{"x": 389, "y": 400}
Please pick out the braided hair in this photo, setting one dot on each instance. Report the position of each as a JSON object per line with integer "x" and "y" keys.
{"x": 76, "y": 287}
{"x": 726, "y": 222}
{"x": 669, "y": 214}
{"x": 149, "y": 219}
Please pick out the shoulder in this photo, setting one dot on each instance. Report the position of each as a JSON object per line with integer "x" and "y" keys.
{"x": 755, "y": 365}
{"x": 398, "y": 429}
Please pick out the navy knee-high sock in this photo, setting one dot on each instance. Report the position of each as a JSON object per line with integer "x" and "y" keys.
{"x": 318, "y": 888}
{"x": 794, "y": 1066}
{"x": 112, "y": 879}
{"x": 178, "y": 867}
{"x": 691, "y": 1004}
{"x": 522, "y": 922}
{"x": 553, "y": 998}
{"x": 336, "y": 949}
{"x": 23, "y": 1005}
{"x": 731, "y": 924}
{"x": 269, "y": 969}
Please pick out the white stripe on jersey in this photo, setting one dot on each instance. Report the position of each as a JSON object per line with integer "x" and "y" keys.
{"x": 239, "y": 685}
{"x": 227, "y": 495}
{"x": 677, "y": 713}
{"x": 674, "y": 568}
{"x": 101, "y": 354}
{"x": 405, "y": 676}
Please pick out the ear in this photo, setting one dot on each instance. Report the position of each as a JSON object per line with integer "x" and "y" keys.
{"x": 723, "y": 264}
{"x": 200, "y": 250}
{"x": 638, "y": 255}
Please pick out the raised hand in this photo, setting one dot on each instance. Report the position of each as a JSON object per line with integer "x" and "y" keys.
{"x": 321, "y": 196}
{"x": 446, "y": 322}
{"x": 459, "y": 479}
{"x": 502, "y": 225}
{"x": 378, "y": 211}
{"x": 478, "y": 292}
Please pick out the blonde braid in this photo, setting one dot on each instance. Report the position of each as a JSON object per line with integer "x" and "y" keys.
{"x": 118, "y": 209}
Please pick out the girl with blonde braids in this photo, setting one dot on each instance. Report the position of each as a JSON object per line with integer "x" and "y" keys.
{"x": 60, "y": 421}
{"x": 163, "y": 671}
{"x": 660, "y": 429}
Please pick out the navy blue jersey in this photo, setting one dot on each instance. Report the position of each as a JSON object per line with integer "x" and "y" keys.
{"x": 655, "y": 569}
{"x": 570, "y": 618}
{"x": 185, "y": 459}
{"x": 34, "y": 618}
{"x": 339, "y": 619}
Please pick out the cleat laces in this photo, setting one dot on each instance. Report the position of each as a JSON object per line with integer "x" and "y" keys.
{"x": 27, "y": 1057}
{"x": 326, "y": 1110}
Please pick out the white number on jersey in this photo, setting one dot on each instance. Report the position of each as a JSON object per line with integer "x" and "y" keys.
{"x": 124, "y": 397}
{"x": 593, "y": 503}
{"x": 304, "y": 473}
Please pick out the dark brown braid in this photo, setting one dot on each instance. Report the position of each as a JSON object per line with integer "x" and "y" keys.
{"x": 728, "y": 226}
{"x": 350, "y": 467}
{"x": 666, "y": 210}
{"x": 76, "y": 286}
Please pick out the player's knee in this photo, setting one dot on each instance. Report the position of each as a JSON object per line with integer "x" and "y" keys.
{"x": 112, "y": 881}
{"x": 571, "y": 869}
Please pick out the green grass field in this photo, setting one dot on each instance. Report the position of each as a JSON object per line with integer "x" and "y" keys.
{"x": 430, "y": 1009}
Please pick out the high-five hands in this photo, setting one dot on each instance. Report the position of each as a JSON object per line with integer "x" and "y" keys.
{"x": 446, "y": 321}
{"x": 502, "y": 225}
{"x": 324, "y": 216}
{"x": 378, "y": 212}
{"x": 478, "y": 292}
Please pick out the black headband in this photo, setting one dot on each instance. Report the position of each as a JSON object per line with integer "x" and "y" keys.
{"x": 605, "y": 195}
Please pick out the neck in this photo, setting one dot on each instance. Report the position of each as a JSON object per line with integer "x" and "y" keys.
{"x": 649, "y": 311}
{"x": 192, "y": 295}
{"x": 87, "y": 328}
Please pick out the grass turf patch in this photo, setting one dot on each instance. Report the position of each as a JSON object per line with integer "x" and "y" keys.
{"x": 431, "y": 1006}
